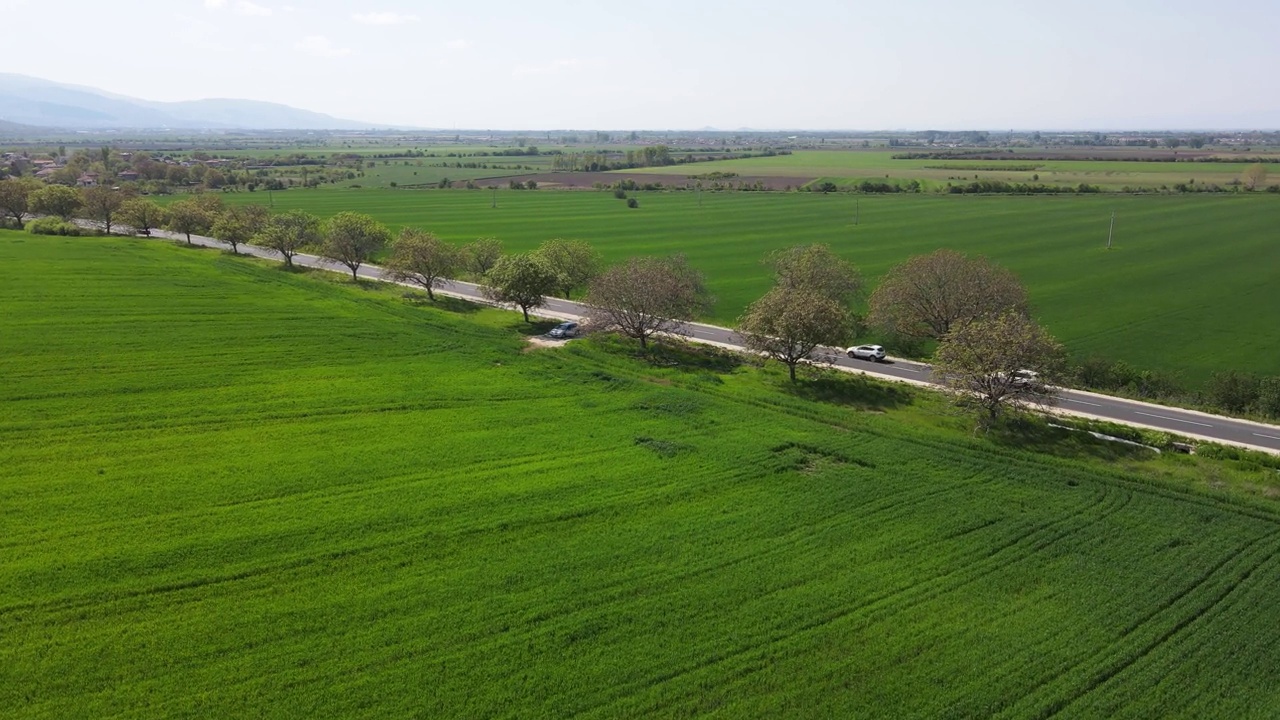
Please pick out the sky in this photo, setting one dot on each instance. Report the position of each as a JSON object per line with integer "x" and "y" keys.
{"x": 688, "y": 64}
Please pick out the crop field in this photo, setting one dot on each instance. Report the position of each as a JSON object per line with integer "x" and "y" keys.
{"x": 231, "y": 491}
{"x": 854, "y": 166}
{"x": 1188, "y": 286}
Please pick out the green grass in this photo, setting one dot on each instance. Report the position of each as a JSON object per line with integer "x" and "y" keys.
{"x": 1189, "y": 285}
{"x": 231, "y": 491}
{"x": 851, "y": 166}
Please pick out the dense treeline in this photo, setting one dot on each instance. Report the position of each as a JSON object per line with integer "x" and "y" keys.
{"x": 652, "y": 156}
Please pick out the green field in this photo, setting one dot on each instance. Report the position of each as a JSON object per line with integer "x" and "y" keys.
{"x": 1189, "y": 286}
{"x": 231, "y": 491}
{"x": 853, "y": 166}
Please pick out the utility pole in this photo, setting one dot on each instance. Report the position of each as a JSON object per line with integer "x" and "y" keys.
{"x": 1111, "y": 231}
{"x": 495, "y": 197}
{"x": 857, "y": 210}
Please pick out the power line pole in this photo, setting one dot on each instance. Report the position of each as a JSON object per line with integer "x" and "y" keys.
{"x": 495, "y": 197}
{"x": 857, "y": 210}
{"x": 1111, "y": 231}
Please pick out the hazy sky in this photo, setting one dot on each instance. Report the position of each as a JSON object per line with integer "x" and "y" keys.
{"x": 538, "y": 64}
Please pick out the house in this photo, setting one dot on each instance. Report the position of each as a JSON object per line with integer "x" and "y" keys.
{"x": 129, "y": 176}
{"x": 46, "y": 172}
{"x": 87, "y": 180}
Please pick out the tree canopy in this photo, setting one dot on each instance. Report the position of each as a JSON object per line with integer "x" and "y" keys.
{"x": 791, "y": 324}
{"x": 351, "y": 239}
{"x": 928, "y": 295}
{"x": 481, "y": 255}
{"x": 574, "y": 263}
{"x": 57, "y": 200}
{"x": 101, "y": 203}
{"x": 15, "y": 197}
{"x": 189, "y": 216}
{"x": 143, "y": 215}
{"x": 645, "y": 296}
{"x": 816, "y": 268}
{"x": 523, "y": 280}
{"x": 987, "y": 363}
{"x": 423, "y": 259}
{"x": 290, "y": 232}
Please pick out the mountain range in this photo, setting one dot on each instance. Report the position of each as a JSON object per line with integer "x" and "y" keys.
{"x": 27, "y": 100}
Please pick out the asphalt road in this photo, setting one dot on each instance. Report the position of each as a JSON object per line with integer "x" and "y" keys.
{"x": 1189, "y": 423}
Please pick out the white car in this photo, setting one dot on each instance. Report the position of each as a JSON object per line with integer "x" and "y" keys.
{"x": 874, "y": 353}
{"x": 564, "y": 331}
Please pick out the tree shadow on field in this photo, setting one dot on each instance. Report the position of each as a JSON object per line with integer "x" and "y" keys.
{"x": 856, "y": 391}
{"x": 442, "y": 302}
{"x": 1034, "y": 434}
{"x": 535, "y": 327}
{"x": 684, "y": 355}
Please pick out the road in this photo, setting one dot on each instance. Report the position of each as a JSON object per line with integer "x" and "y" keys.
{"x": 1188, "y": 423}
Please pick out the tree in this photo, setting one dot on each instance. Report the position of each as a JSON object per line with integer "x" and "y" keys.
{"x": 143, "y": 215}
{"x": 289, "y": 233}
{"x": 1255, "y": 175}
{"x": 816, "y": 268}
{"x": 789, "y": 324}
{"x": 645, "y": 296}
{"x": 987, "y": 364}
{"x": 574, "y": 262}
{"x": 423, "y": 259}
{"x": 351, "y": 239}
{"x": 928, "y": 295}
{"x": 524, "y": 280}
{"x": 230, "y": 227}
{"x": 481, "y": 255}
{"x": 187, "y": 217}
{"x": 15, "y": 197}
{"x": 101, "y": 203}
{"x": 57, "y": 200}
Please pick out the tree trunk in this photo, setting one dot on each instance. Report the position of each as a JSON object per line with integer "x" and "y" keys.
{"x": 526, "y": 313}
{"x": 644, "y": 341}
{"x": 431, "y": 295}
{"x": 355, "y": 277}
{"x": 288, "y": 260}
{"x": 792, "y": 369}
{"x": 189, "y": 239}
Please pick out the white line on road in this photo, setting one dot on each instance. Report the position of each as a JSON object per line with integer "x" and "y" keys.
{"x": 1162, "y": 417}
{"x": 1273, "y": 437}
{"x": 907, "y": 369}
{"x": 1082, "y": 402}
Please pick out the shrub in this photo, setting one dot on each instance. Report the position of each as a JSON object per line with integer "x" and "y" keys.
{"x": 620, "y": 194}
{"x": 633, "y": 203}
{"x": 1269, "y": 396}
{"x": 1232, "y": 391}
{"x": 53, "y": 226}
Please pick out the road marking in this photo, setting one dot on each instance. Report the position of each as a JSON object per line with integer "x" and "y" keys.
{"x": 1272, "y": 437}
{"x": 1162, "y": 417}
{"x": 909, "y": 369}
{"x": 1082, "y": 402}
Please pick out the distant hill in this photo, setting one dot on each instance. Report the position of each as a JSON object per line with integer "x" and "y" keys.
{"x": 12, "y": 127}
{"x": 32, "y": 101}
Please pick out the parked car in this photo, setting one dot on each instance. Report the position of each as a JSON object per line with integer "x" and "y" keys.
{"x": 1028, "y": 379}
{"x": 874, "y": 353}
{"x": 1021, "y": 380}
{"x": 564, "y": 330}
